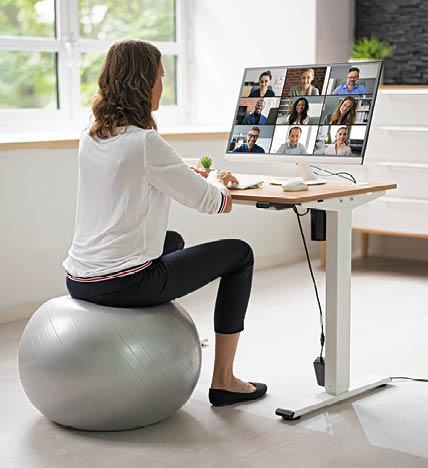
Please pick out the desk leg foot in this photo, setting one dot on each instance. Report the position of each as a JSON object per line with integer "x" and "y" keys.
{"x": 324, "y": 399}
{"x": 286, "y": 414}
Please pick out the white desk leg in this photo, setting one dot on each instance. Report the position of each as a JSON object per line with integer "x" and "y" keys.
{"x": 338, "y": 298}
{"x": 337, "y": 317}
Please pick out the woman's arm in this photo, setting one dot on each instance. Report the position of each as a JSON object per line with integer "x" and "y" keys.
{"x": 167, "y": 172}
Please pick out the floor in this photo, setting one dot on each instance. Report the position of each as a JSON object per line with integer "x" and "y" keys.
{"x": 386, "y": 428}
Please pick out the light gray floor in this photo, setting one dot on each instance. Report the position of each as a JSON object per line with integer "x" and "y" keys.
{"x": 387, "y": 428}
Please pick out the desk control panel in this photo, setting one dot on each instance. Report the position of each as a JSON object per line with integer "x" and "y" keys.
{"x": 273, "y": 206}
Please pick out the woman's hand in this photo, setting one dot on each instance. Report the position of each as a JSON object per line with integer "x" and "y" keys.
{"x": 201, "y": 172}
{"x": 225, "y": 177}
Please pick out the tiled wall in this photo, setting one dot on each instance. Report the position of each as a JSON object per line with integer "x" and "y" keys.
{"x": 404, "y": 24}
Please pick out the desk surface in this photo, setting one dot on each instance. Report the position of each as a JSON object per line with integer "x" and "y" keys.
{"x": 274, "y": 193}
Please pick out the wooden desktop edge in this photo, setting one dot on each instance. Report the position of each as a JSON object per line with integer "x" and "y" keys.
{"x": 274, "y": 194}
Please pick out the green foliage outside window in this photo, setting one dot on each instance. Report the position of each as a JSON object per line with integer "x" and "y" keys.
{"x": 151, "y": 20}
{"x": 27, "y": 18}
{"x": 28, "y": 79}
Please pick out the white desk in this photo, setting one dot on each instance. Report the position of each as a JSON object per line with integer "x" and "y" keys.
{"x": 338, "y": 200}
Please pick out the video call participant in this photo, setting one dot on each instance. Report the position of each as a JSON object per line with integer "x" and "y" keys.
{"x": 351, "y": 86}
{"x": 263, "y": 90}
{"x": 340, "y": 146}
{"x": 306, "y": 88}
{"x": 344, "y": 114}
{"x": 256, "y": 117}
{"x": 299, "y": 112}
{"x": 292, "y": 146}
{"x": 250, "y": 146}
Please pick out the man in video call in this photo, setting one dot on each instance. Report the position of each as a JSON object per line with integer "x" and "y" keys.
{"x": 292, "y": 146}
{"x": 250, "y": 146}
{"x": 256, "y": 118}
{"x": 351, "y": 86}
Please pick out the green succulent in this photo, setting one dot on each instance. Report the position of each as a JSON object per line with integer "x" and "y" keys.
{"x": 206, "y": 162}
{"x": 371, "y": 48}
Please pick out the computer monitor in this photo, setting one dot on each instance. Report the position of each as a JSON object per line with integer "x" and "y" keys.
{"x": 305, "y": 114}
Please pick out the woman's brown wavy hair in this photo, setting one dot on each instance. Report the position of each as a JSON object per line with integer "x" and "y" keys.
{"x": 349, "y": 117}
{"x": 125, "y": 88}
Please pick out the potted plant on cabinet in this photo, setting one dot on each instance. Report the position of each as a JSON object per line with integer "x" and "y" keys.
{"x": 370, "y": 48}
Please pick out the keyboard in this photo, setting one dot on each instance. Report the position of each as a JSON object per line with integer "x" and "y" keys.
{"x": 246, "y": 181}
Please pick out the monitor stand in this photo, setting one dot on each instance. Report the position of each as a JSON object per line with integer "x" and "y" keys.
{"x": 309, "y": 176}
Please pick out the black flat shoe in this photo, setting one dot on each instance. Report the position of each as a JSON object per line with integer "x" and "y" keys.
{"x": 224, "y": 397}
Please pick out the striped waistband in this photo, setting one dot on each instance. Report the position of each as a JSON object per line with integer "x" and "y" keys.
{"x": 119, "y": 274}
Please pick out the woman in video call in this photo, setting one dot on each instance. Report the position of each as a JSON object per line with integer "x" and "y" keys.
{"x": 340, "y": 146}
{"x": 263, "y": 91}
{"x": 306, "y": 88}
{"x": 299, "y": 112}
{"x": 344, "y": 114}
{"x": 122, "y": 254}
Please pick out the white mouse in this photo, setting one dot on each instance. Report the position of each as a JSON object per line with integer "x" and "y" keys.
{"x": 294, "y": 185}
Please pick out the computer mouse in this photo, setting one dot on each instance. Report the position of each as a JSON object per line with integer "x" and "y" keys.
{"x": 294, "y": 186}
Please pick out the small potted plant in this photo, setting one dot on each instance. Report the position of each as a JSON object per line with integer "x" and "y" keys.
{"x": 206, "y": 163}
{"x": 370, "y": 48}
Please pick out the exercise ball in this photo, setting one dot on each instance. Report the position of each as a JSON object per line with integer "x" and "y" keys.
{"x": 100, "y": 368}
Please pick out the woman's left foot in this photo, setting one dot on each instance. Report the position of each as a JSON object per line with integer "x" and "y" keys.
{"x": 220, "y": 397}
{"x": 234, "y": 385}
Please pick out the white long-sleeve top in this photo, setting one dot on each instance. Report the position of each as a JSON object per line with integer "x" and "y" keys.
{"x": 125, "y": 187}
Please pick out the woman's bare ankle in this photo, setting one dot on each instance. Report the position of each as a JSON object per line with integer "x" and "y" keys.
{"x": 232, "y": 384}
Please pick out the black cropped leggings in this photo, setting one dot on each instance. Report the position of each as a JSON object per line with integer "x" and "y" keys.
{"x": 178, "y": 272}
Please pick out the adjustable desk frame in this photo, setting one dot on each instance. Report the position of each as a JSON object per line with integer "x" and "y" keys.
{"x": 338, "y": 206}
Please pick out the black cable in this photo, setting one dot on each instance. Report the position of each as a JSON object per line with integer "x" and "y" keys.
{"x": 410, "y": 378}
{"x": 322, "y": 337}
{"x": 328, "y": 175}
{"x": 340, "y": 174}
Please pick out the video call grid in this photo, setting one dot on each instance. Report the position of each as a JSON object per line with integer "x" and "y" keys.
{"x": 363, "y": 103}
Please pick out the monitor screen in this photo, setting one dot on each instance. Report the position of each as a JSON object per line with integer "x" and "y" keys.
{"x": 305, "y": 113}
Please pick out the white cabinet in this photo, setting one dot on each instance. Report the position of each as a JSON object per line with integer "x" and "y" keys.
{"x": 397, "y": 151}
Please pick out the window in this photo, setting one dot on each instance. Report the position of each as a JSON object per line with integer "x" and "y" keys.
{"x": 51, "y": 51}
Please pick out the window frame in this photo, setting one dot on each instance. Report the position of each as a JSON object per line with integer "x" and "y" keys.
{"x": 69, "y": 46}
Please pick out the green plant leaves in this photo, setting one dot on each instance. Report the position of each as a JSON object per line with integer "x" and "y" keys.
{"x": 371, "y": 48}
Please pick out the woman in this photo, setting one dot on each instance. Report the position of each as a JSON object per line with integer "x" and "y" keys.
{"x": 263, "y": 91}
{"x": 340, "y": 146}
{"x": 344, "y": 114}
{"x": 305, "y": 88}
{"x": 121, "y": 254}
{"x": 299, "y": 112}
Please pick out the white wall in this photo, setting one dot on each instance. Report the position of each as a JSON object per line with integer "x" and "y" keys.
{"x": 335, "y": 26}
{"x": 229, "y": 36}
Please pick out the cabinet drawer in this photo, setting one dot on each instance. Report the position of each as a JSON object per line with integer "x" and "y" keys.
{"x": 411, "y": 179}
{"x": 397, "y": 215}
{"x": 401, "y": 109}
{"x": 388, "y": 145}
